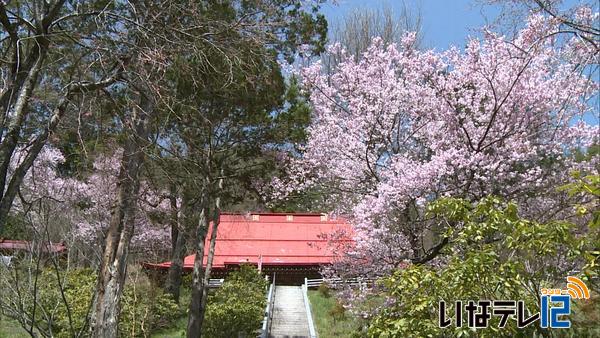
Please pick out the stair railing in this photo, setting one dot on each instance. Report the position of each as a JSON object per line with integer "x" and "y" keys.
{"x": 311, "y": 326}
{"x": 267, "y": 319}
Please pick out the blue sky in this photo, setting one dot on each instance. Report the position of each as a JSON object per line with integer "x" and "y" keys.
{"x": 445, "y": 22}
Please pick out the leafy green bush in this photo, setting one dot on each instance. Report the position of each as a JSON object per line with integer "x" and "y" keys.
{"x": 186, "y": 281}
{"x": 78, "y": 289}
{"x": 324, "y": 290}
{"x": 16, "y": 227}
{"x": 144, "y": 308}
{"x": 494, "y": 254}
{"x": 237, "y": 307}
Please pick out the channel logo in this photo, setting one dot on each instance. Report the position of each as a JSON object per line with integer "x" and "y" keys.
{"x": 555, "y": 308}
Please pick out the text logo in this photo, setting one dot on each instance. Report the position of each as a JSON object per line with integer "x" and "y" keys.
{"x": 555, "y": 306}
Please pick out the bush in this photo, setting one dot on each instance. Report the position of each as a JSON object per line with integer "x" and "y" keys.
{"x": 237, "y": 307}
{"x": 324, "y": 290}
{"x": 493, "y": 254}
{"x": 78, "y": 287}
{"x": 337, "y": 312}
{"x": 143, "y": 307}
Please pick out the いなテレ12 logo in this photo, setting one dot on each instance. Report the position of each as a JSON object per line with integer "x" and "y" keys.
{"x": 555, "y": 306}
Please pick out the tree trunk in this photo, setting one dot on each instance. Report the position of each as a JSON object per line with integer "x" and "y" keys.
{"x": 195, "y": 318}
{"x": 173, "y": 282}
{"x": 8, "y": 145}
{"x": 174, "y": 276}
{"x": 201, "y": 276}
{"x": 113, "y": 269}
{"x": 211, "y": 250}
{"x": 174, "y": 217}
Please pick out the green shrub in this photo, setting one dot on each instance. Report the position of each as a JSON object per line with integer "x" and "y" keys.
{"x": 16, "y": 227}
{"x": 144, "y": 310}
{"x": 143, "y": 307}
{"x": 324, "y": 290}
{"x": 337, "y": 312}
{"x": 494, "y": 254}
{"x": 78, "y": 287}
{"x": 186, "y": 280}
{"x": 237, "y": 307}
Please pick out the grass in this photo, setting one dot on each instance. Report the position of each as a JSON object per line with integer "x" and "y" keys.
{"x": 177, "y": 330}
{"x": 180, "y": 325}
{"x": 11, "y": 329}
{"x": 329, "y": 320}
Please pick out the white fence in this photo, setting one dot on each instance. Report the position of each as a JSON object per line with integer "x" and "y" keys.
{"x": 361, "y": 283}
{"x": 215, "y": 283}
{"x": 6, "y": 260}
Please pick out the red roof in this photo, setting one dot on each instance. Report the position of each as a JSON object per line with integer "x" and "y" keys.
{"x": 273, "y": 239}
{"x": 14, "y": 245}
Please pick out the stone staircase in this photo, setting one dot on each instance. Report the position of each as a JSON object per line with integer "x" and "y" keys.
{"x": 289, "y": 316}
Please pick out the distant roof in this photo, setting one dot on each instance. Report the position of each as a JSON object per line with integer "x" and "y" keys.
{"x": 15, "y": 245}
{"x": 273, "y": 239}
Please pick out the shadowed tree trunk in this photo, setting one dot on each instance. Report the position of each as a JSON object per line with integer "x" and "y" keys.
{"x": 202, "y": 275}
{"x": 174, "y": 276}
{"x": 211, "y": 250}
{"x": 195, "y": 318}
{"x": 113, "y": 269}
{"x": 180, "y": 219}
{"x": 174, "y": 216}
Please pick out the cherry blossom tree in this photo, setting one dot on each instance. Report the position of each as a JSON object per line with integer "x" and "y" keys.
{"x": 579, "y": 22}
{"x": 82, "y": 207}
{"x": 96, "y": 197}
{"x": 401, "y": 127}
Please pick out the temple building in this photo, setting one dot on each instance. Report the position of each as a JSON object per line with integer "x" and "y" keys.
{"x": 292, "y": 245}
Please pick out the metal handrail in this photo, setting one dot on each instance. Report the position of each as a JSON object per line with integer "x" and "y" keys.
{"x": 311, "y": 326}
{"x": 266, "y": 324}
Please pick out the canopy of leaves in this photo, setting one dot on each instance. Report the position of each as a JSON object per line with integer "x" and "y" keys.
{"x": 494, "y": 254}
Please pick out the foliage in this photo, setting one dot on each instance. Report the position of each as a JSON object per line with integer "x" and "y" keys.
{"x": 493, "y": 254}
{"x": 330, "y": 318}
{"x": 324, "y": 290}
{"x": 15, "y": 228}
{"x": 237, "y": 306}
{"x": 145, "y": 308}
{"x": 78, "y": 286}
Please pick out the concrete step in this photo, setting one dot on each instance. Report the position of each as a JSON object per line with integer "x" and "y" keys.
{"x": 289, "y": 315}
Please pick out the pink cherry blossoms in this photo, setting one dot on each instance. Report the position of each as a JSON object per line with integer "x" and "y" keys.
{"x": 98, "y": 194}
{"x": 401, "y": 127}
{"x": 82, "y": 207}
